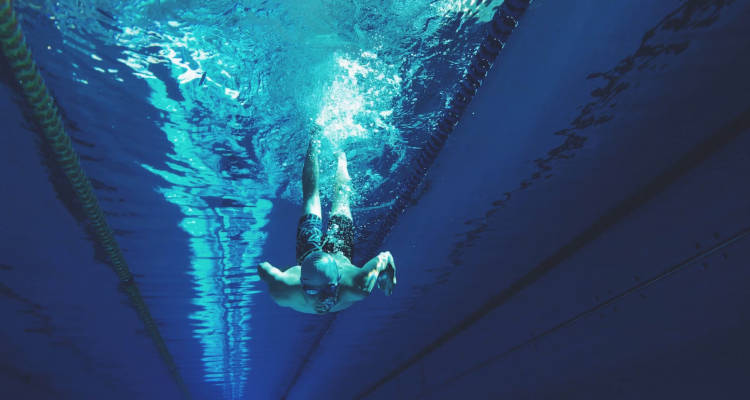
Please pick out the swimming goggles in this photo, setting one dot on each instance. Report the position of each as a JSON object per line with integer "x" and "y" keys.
{"x": 326, "y": 296}
{"x": 329, "y": 290}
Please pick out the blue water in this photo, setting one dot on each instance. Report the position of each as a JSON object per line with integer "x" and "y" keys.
{"x": 583, "y": 233}
{"x": 192, "y": 117}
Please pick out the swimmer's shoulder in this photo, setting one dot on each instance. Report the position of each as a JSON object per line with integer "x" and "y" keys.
{"x": 351, "y": 289}
{"x": 285, "y": 286}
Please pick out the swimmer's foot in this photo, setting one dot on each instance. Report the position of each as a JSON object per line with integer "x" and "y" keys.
{"x": 343, "y": 189}
{"x": 342, "y": 172}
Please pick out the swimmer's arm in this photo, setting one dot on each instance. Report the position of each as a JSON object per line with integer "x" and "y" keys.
{"x": 367, "y": 277}
{"x": 281, "y": 284}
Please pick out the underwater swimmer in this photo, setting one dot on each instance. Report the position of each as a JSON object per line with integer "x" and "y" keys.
{"x": 325, "y": 279}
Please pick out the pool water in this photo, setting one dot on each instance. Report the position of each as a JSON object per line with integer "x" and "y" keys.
{"x": 192, "y": 119}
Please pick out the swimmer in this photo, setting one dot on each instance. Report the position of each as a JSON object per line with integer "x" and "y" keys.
{"x": 325, "y": 280}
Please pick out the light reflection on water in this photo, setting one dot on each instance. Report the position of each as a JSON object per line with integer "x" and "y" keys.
{"x": 371, "y": 74}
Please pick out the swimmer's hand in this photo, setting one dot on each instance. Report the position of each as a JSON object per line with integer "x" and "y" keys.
{"x": 387, "y": 276}
{"x": 380, "y": 271}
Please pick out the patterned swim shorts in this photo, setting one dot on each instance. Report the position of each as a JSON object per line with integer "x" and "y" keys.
{"x": 339, "y": 237}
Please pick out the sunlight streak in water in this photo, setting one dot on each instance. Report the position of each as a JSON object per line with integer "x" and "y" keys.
{"x": 226, "y": 244}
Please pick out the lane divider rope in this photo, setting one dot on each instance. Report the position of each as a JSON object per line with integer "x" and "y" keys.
{"x": 47, "y": 117}
{"x": 503, "y": 23}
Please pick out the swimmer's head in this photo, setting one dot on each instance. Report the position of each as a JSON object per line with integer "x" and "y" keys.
{"x": 319, "y": 279}
{"x": 319, "y": 269}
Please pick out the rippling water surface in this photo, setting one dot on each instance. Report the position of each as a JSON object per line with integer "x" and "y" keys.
{"x": 238, "y": 86}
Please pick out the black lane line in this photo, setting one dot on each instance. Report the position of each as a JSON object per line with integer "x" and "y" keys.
{"x": 305, "y": 360}
{"x": 690, "y": 160}
{"x": 570, "y": 321}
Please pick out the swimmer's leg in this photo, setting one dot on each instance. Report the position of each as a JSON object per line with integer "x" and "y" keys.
{"x": 340, "y": 235}
{"x": 310, "y": 192}
{"x": 342, "y": 190}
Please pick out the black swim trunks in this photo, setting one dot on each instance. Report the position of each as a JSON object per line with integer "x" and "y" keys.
{"x": 339, "y": 237}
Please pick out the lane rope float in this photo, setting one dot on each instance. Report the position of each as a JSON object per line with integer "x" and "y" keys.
{"x": 47, "y": 117}
{"x": 501, "y": 27}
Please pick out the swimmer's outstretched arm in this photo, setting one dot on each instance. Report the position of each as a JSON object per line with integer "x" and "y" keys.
{"x": 380, "y": 271}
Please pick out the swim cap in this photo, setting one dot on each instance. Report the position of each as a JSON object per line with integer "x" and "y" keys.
{"x": 320, "y": 267}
